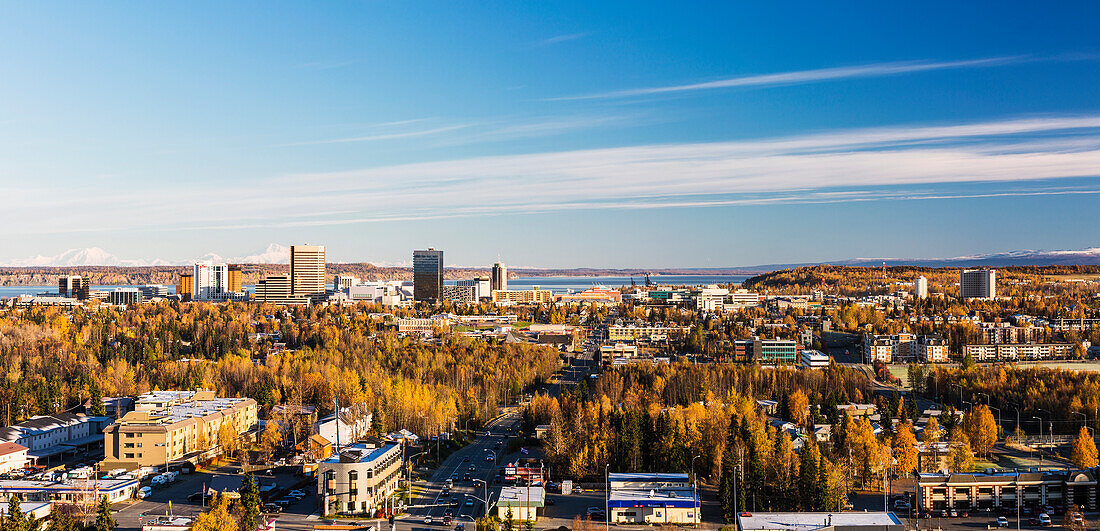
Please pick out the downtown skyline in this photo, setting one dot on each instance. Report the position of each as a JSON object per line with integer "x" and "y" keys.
{"x": 589, "y": 136}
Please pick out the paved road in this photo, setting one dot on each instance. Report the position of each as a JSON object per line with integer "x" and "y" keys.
{"x": 478, "y": 460}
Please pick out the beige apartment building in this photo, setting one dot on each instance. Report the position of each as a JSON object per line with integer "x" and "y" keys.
{"x": 517, "y": 296}
{"x": 175, "y": 426}
{"x": 359, "y": 478}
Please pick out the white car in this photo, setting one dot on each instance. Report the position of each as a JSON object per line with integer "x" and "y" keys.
{"x": 428, "y": 519}
{"x": 144, "y": 492}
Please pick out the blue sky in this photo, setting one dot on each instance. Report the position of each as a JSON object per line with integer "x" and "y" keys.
{"x": 630, "y": 134}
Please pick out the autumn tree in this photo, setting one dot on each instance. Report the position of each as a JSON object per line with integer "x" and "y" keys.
{"x": 270, "y": 439}
{"x": 798, "y": 405}
{"x": 217, "y": 518}
{"x": 981, "y": 429}
{"x": 1084, "y": 453}
{"x": 906, "y": 453}
{"x": 962, "y": 457}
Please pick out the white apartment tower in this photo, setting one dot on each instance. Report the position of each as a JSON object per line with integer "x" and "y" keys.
{"x": 978, "y": 284}
{"x": 307, "y": 269}
{"x": 920, "y": 288}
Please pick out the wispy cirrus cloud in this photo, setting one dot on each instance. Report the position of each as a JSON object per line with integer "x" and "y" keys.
{"x": 1052, "y": 155}
{"x": 386, "y": 136}
{"x": 801, "y": 77}
{"x": 564, "y": 38}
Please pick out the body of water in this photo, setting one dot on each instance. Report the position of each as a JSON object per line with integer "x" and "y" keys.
{"x": 15, "y": 291}
{"x": 564, "y": 284}
{"x": 554, "y": 284}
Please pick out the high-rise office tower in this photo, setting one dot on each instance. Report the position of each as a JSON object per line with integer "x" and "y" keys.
{"x": 427, "y": 275}
{"x": 500, "y": 277}
{"x": 274, "y": 288}
{"x": 978, "y": 284}
{"x": 186, "y": 288}
{"x": 210, "y": 281}
{"x": 307, "y": 269}
{"x": 74, "y": 286}
{"x": 235, "y": 278}
{"x": 920, "y": 288}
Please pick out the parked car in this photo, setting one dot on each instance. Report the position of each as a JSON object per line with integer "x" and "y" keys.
{"x": 428, "y": 519}
{"x": 297, "y": 493}
{"x": 284, "y": 502}
{"x": 1044, "y": 519}
{"x": 1002, "y": 521}
{"x": 447, "y": 520}
{"x": 160, "y": 480}
{"x": 272, "y": 508}
{"x": 596, "y": 513}
{"x": 144, "y": 492}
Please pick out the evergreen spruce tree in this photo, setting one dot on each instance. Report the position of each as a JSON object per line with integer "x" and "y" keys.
{"x": 250, "y": 503}
{"x": 103, "y": 520}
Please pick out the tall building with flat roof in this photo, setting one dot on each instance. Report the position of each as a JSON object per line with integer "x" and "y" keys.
{"x": 276, "y": 290}
{"x": 920, "y": 288}
{"x": 307, "y": 269}
{"x": 74, "y": 286}
{"x": 186, "y": 288}
{"x": 211, "y": 281}
{"x": 235, "y": 277}
{"x": 978, "y": 284}
{"x": 427, "y": 275}
{"x": 500, "y": 277}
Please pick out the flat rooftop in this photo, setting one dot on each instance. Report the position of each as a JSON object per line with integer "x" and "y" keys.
{"x": 811, "y": 521}
{"x": 522, "y": 496}
{"x": 360, "y": 453}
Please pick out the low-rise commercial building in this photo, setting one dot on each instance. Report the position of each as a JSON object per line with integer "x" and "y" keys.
{"x": 521, "y": 504}
{"x": 652, "y": 498}
{"x": 831, "y": 521}
{"x": 998, "y": 489}
{"x": 766, "y": 351}
{"x": 173, "y": 426}
{"x": 359, "y": 478}
{"x": 595, "y": 295}
{"x": 46, "y": 436}
{"x": 814, "y": 359}
{"x": 70, "y": 491}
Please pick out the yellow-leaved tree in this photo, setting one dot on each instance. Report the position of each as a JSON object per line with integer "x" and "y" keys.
{"x": 1084, "y": 450}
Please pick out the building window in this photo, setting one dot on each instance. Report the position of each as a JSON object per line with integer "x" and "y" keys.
{"x": 129, "y": 456}
{"x": 353, "y": 475}
{"x": 351, "y": 506}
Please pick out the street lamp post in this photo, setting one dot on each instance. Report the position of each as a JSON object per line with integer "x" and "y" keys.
{"x": 998, "y": 410}
{"x": 1050, "y": 432}
{"x": 695, "y": 489}
{"x": 1040, "y": 439}
{"x": 607, "y": 496}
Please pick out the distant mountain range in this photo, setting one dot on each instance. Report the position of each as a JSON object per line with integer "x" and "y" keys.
{"x": 279, "y": 254}
{"x": 1089, "y": 256}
